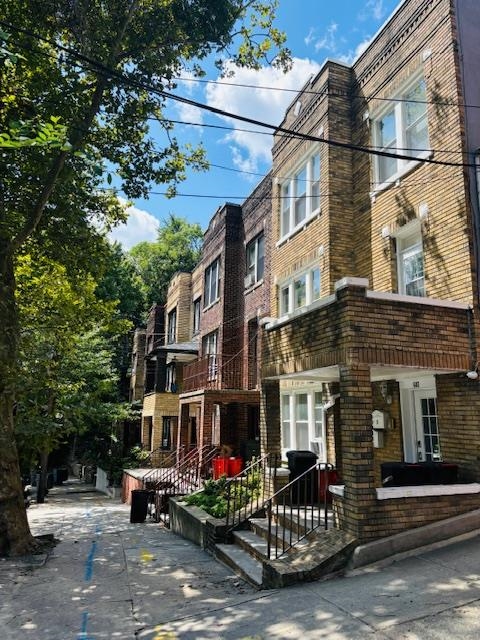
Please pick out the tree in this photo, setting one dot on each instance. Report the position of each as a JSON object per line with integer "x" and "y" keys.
{"x": 93, "y": 64}
{"x": 177, "y": 248}
{"x": 67, "y": 378}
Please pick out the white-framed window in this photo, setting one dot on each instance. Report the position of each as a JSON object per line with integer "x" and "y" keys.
{"x": 300, "y": 291}
{"x": 411, "y": 272}
{"x": 255, "y": 260}
{"x": 303, "y": 422}
{"x": 210, "y": 342}
{"x": 402, "y": 128}
{"x": 197, "y": 306}
{"x": 300, "y": 196}
{"x": 212, "y": 283}
{"x": 172, "y": 326}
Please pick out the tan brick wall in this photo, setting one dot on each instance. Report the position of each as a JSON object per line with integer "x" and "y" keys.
{"x": 179, "y": 297}
{"x": 394, "y": 58}
{"x": 158, "y": 405}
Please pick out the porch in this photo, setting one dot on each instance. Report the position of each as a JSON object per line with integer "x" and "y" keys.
{"x": 386, "y": 373}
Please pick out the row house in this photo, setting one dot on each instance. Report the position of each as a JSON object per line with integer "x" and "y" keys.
{"x": 336, "y": 310}
{"x": 374, "y": 266}
{"x": 220, "y": 389}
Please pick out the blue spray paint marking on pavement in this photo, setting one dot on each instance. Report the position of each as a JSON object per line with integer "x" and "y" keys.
{"x": 83, "y": 635}
{"x": 89, "y": 562}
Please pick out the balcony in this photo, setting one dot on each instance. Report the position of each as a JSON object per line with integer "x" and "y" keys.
{"x": 213, "y": 372}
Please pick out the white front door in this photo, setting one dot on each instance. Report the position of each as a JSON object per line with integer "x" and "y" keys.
{"x": 426, "y": 419}
{"x": 421, "y": 438}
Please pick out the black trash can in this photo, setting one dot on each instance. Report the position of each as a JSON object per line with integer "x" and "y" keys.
{"x": 306, "y": 490}
{"x": 139, "y": 505}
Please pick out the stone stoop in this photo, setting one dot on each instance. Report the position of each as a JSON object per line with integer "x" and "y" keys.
{"x": 322, "y": 553}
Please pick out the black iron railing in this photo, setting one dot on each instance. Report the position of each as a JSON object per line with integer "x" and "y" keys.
{"x": 247, "y": 492}
{"x": 297, "y": 509}
{"x": 185, "y": 477}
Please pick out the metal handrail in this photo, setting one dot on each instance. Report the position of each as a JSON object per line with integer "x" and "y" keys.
{"x": 247, "y": 492}
{"x": 169, "y": 460}
{"x": 301, "y": 495}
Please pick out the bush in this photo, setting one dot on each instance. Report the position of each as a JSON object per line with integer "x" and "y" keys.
{"x": 214, "y": 496}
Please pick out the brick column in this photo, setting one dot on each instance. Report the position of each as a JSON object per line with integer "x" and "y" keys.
{"x": 357, "y": 449}
{"x": 270, "y": 432}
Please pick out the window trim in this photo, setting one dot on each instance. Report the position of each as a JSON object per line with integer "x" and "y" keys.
{"x": 321, "y": 440}
{"x": 172, "y": 326}
{"x": 209, "y": 301}
{"x": 253, "y": 270}
{"x": 196, "y": 317}
{"x": 289, "y": 284}
{"x": 409, "y": 230}
{"x": 288, "y": 192}
{"x": 403, "y": 166}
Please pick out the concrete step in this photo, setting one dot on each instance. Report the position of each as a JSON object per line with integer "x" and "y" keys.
{"x": 242, "y": 563}
{"x": 280, "y": 536}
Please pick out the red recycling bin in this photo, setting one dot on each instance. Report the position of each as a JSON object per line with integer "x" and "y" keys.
{"x": 234, "y": 466}
{"x": 333, "y": 478}
{"x": 220, "y": 467}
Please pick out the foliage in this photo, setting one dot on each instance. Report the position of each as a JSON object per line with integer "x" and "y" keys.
{"x": 100, "y": 68}
{"x": 177, "y": 248}
{"x": 214, "y": 496}
{"x": 66, "y": 377}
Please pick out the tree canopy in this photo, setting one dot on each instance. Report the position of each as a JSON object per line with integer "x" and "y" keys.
{"x": 103, "y": 70}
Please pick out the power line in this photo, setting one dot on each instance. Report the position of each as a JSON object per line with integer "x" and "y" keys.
{"x": 220, "y": 112}
{"x": 328, "y": 92}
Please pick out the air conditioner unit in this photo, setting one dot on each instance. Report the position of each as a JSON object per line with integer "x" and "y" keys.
{"x": 249, "y": 280}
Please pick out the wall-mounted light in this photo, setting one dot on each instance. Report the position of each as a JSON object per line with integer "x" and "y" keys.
{"x": 386, "y": 232}
{"x": 473, "y": 374}
{"x": 321, "y": 251}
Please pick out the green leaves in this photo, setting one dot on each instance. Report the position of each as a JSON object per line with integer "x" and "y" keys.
{"x": 24, "y": 134}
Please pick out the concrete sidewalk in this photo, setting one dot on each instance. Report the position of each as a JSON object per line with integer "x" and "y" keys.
{"x": 108, "y": 578}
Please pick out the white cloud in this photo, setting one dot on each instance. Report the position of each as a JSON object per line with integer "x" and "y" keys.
{"x": 377, "y": 8}
{"x": 189, "y": 113}
{"x": 258, "y": 102}
{"x": 140, "y": 226}
{"x": 328, "y": 41}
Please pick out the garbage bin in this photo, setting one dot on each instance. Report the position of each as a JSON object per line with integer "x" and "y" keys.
{"x": 306, "y": 490}
{"x": 139, "y": 506}
{"x": 234, "y": 466}
{"x": 220, "y": 467}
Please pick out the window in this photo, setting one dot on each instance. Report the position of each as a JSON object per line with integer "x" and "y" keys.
{"x": 212, "y": 283}
{"x": 303, "y": 422}
{"x": 411, "y": 275}
{"x": 301, "y": 291}
{"x": 300, "y": 196}
{"x": 255, "y": 259}
{"x": 402, "y": 129}
{"x": 172, "y": 326}
{"x": 196, "y": 315}
{"x": 166, "y": 432}
{"x": 171, "y": 378}
{"x": 210, "y": 352}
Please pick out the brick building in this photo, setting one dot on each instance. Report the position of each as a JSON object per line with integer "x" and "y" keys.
{"x": 374, "y": 261}
{"x": 220, "y": 390}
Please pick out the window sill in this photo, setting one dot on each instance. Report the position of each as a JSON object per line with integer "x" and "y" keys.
{"x": 253, "y": 286}
{"x": 212, "y": 304}
{"x": 396, "y": 177}
{"x": 288, "y": 317}
{"x": 298, "y": 228}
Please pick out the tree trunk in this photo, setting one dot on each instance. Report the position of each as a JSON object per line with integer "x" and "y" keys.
{"x": 43, "y": 477}
{"x": 15, "y": 536}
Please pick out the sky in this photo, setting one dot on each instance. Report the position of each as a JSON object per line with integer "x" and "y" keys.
{"x": 316, "y": 30}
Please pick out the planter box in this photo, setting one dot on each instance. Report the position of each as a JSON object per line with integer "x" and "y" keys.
{"x": 195, "y": 524}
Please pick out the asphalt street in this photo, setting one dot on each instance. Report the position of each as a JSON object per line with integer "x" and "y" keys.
{"x": 107, "y": 578}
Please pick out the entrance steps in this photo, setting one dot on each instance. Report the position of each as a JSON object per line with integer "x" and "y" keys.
{"x": 320, "y": 553}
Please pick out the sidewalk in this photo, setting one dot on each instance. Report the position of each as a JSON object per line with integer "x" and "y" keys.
{"x": 111, "y": 579}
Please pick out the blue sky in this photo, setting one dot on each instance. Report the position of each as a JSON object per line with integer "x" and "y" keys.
{"x": 316, "y": 30}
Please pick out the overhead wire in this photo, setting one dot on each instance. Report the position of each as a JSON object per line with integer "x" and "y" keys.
{"x": 129, "y": 81}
